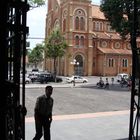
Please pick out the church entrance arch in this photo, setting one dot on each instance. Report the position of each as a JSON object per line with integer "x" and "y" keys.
{"x": 79, "y": 67}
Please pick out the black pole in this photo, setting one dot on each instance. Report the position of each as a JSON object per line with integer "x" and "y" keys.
{"x": 134, "y": 55}
{"x": 3, "y": 67}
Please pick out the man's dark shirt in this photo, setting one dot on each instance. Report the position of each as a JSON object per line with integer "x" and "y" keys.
{"x": 44, "y": 106}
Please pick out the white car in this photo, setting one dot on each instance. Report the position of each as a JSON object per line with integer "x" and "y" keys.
{"x": 121, "y": 75}
{"x": 76, "y": 79}
{"x": 27, "y": 79}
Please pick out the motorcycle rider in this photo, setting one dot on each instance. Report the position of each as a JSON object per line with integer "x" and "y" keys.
{"x": 101, "y": 82}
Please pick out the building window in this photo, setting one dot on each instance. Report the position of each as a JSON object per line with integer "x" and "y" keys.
{"x": 79, "y": 20}
{"x": 82, "y": 23}
{"x": 82, "y": 42}
{"x": 111, "y": 62}
{"x": 93, "y": 26}
{"x": 64, "y": 25}
{"x": 97, "y": 26}
{"x": 125, "y": 63}
{"x": 77, "y": 41}
{"x": 77, "y": 23}
{"x": 101, "y": 26}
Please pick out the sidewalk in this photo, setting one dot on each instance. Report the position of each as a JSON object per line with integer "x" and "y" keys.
{"x": 37, "y": 85}
{"x": 93, "y": 126}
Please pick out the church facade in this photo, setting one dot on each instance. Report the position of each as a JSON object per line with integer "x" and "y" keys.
{"x": 93, "y": 47}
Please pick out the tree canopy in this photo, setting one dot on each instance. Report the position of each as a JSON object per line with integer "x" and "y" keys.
{"x": 120, "y": 14}
{"x": 36, "y": 55}
{"x": 36, "y": 3}
{"x": 55, "y": 47}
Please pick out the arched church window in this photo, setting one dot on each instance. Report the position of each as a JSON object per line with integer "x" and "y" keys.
{"x": 82, "y": 41}
{"x": 101, "y": 26}
{"x": 97, "y": 26}
{"x": 77, "y": 23}
{"x": 82, "y": 23}
{"x": 77, "y": 41}
{"x": 64, "y": 25}
{"x": 79, "y": 19}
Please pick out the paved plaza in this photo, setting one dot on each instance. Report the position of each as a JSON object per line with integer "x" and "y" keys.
{"x": 103, "y": 125}
{"x": 96, "y": 126}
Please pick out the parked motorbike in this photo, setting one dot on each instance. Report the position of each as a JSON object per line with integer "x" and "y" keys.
{"x": 100, "y": 84}
{"x": 124, "y": 83}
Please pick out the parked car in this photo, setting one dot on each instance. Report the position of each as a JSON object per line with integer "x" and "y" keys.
{"x": 121, "y": 75}
{"x": 27, "y": 79}
{"x": 76, "y": 79}
{"x": 35, "y": 71}
{"x": 33, "y": 76}
{"x": 48, "y": 77}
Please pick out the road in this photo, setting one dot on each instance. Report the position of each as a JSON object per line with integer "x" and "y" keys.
{"x": 86, "y": 99}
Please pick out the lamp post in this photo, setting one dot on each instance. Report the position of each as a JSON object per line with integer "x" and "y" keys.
{"x": 77, "y": 67}
{"x": 74, "y": 63}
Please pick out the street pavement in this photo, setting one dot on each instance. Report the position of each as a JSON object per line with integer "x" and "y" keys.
{"x": 93, "y": 126}
{"x": 89, "y": 126}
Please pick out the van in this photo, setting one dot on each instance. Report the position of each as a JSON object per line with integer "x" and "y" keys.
{"x": 121, "y": 75}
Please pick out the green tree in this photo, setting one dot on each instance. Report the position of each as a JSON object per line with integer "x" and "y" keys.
{"x": 120, "y": 14}
{"x": 36, "y": 55}
{"x": 36, "y": 3}
{"x": 55, "y": 47}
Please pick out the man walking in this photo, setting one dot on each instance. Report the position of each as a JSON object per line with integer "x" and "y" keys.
{"x": 43, "y": 114}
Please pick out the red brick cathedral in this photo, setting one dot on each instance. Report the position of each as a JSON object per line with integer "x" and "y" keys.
{"x": 94, "y": 48}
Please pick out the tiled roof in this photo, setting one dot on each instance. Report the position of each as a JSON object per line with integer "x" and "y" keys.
{"x": 106, "y": 35}
{"x": 100, "y": 35}
{"x": 114, "y": 51}
{"x": 96, "y": 12}
{"x": 114, "y": 35}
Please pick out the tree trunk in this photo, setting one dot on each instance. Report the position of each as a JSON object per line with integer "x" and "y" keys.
{"x": 55, "y": 71}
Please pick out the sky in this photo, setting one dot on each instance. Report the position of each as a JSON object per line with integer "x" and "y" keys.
{"x": 36, "y": 23}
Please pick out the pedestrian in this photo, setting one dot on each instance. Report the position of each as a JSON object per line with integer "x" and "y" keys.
{"x": 43, "y": 114}
{"x": 112, "y": 80}
{"x": 107, "y": 84}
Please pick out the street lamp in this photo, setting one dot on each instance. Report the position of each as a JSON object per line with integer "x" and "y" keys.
{"x": 74, "y": 63}
{"x": 77, "y": 67}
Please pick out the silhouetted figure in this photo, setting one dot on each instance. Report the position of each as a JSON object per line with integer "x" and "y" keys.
{"x": 107, "y": 84}
{"x": 112, "y": 80}
{"x": 100, "y": 83}
{"x": 43, "y": 114}
{"x": 123, "y": 82}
